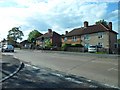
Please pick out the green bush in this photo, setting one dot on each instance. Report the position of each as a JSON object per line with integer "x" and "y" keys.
{"x": 77, "y": 45}
{"x": 64, "y": 46}
{"x": 101, "y": 53}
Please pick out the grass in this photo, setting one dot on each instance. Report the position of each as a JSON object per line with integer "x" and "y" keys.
{"x": 101, "y": 53}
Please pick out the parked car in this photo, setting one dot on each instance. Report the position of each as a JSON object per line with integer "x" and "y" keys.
{"x": 8, "y": 48}
{"x": 92, "y": 48}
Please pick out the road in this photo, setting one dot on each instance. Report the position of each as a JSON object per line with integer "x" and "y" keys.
{"x": 30, "y": 76}
{"x": 103, "y": 70}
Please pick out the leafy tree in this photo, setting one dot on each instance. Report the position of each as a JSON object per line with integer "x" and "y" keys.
{"x": 33, "y": 35}
{"x": 14, "y": 34}
{"x": 102, "y": 22}
{"x": 118, "y": 41}
{"x": 48, "y": 43}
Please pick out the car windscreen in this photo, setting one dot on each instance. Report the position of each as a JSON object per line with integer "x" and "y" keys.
{"x": 92, "y": 46}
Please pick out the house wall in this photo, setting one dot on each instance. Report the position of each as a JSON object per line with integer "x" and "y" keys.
{"x": 70, "y": 40}
{"x": 94, "y": 40}
{"x": 109, "y": 40}
{"x": 38, "y": 42}
{"x": 4, "y": 43}
{"x": 56, "y": 40}
{"x": 112, "y": 42}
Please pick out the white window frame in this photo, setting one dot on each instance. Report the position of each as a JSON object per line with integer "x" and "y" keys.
{"x": 86, "y": 45}
{"x": 100, "y": 35}
{"x": 74, "y": 38}
{"x": 87, "y": 37}
{"x": 65, "y": 39}
{"x": 100, "y": 44}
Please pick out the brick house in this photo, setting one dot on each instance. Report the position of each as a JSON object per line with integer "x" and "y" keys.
{"x": 93, "y": 35}
{"x": 3, "y": 42}
{"x": 52, "y": 36}
{"x": 25, "y": 44}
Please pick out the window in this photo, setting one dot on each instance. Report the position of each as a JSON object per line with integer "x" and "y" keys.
{"x": 100, "y": 44}
{"x": 74, "y": 38}
{"x": 115, "y": 45}
{"x": 86, "y": 45}
{"x": 65, "y": 39}
{"x": 86, "y": 37}
{"x": 100, "y": 35}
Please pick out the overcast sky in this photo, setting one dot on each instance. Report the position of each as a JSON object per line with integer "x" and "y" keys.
{"x": 59, "y": 15}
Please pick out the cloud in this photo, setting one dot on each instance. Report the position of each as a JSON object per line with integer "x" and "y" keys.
{"x": 60, "y": 15}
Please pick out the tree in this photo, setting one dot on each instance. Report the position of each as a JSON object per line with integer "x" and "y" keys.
{"x": 14, "y": 34}
{"x": 48, "y": 43}
{"x": 118, "y": 41}
{"x": 33, "y": 35}
{"x": 102, "y": 22}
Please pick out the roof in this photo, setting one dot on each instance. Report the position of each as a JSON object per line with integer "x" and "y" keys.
{"x": 24, "y": 42}
{"x": 48, "y": 35}
{"x": 89, "y": 30}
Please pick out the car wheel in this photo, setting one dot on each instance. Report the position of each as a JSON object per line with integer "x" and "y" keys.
{"x": 2, "y": 50}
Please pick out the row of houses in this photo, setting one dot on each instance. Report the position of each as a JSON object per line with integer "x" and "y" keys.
{"x": 96, "y": 34}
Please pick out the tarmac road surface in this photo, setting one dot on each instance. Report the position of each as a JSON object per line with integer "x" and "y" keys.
{"x": 31, "y": 76}
{"x": 101, "y": 69}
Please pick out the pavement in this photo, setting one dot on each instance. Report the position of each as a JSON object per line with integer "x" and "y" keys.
{"x": 8, "y": 67}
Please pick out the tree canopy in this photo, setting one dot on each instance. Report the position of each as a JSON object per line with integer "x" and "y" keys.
{"x": 118, "y": 41}
{"x": 33, "y": 35}
{"x": 48, "y": 43}
{"x": 14, "y": 34}
{"x": 102, "y": 22}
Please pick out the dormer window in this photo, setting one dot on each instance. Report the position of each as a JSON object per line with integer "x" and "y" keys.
{"x": 100, "y": 35}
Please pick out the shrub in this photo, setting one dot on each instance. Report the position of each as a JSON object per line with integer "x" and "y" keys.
{"x": 77, "y": 45}
{"x": 64, "y": 46}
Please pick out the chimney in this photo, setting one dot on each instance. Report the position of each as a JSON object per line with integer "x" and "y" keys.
{"x": 110, "y": 25}
{"x": 49, "y": 30}
{"x": 66, "y": 32}
{"x": 85, "y": 24}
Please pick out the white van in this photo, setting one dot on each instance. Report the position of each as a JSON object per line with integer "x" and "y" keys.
{"x": 92, "y": 48}
{"x": 9, "y": 48}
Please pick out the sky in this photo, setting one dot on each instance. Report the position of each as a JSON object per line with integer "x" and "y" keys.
{"x": 58, "y": 15}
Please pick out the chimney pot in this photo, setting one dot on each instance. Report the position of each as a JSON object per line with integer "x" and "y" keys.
{"x": 85, "y": 24}
{"x": 66, "y": 32}
{"x": 49, "y": 30}
{"x": 110, "y": 25}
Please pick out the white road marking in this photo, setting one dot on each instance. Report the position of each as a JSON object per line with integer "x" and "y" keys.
{"x": 32, "y": 66}
{"x": 112, "y": 86}
{"x": 73, "y": 80}
{"x": 56, "y": 74}
{"x": 35, "y": 67}
{"x": 8, "y": 53}
{"x": 110, "y": 69}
